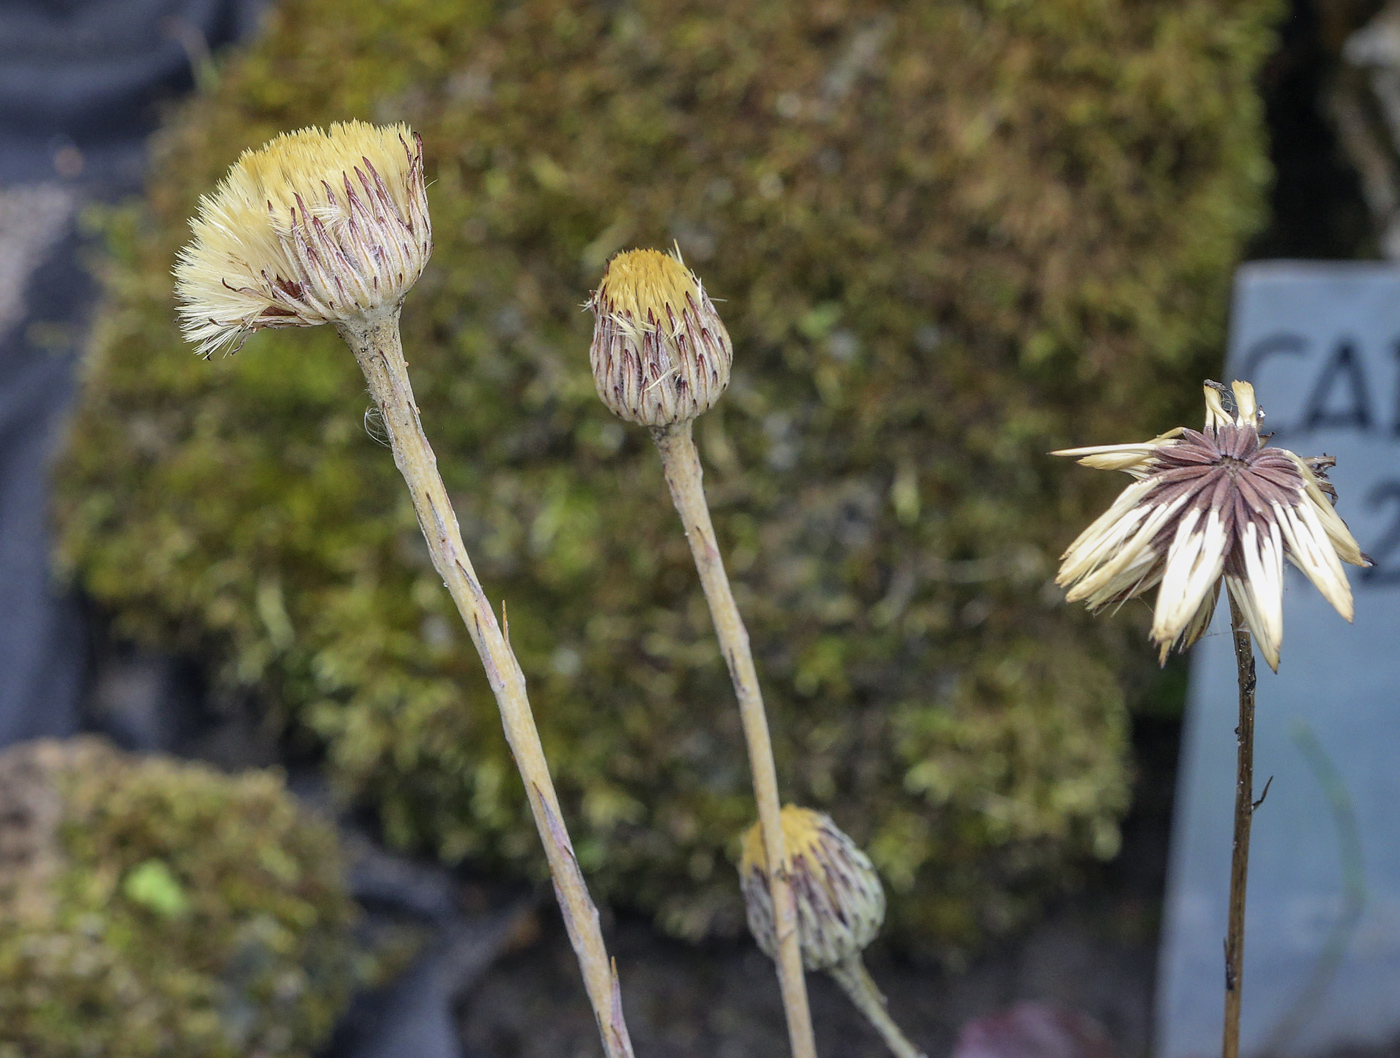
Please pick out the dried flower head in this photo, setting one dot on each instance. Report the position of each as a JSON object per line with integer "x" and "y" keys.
{"x": 1207, "y": 504}
{"x": 313, "y": 227}
{"x": 840, "y": 902}
{"x": 660, "y": 353}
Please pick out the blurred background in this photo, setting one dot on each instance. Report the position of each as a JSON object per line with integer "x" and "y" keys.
{"x": 273, "y": 812}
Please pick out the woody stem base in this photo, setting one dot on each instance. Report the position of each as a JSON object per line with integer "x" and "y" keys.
{"x": 376, "y": 345}
{"x": 681, "y": 463}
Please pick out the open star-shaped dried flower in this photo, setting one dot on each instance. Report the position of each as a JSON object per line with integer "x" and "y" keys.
{"x": 1207, "y": 504}
{"x": 312, "y": 227}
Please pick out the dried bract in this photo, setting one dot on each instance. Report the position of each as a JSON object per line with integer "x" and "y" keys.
{"x": 1206, "y": 504}
{"x": 660, "y": 354}
{"x": 313, "y": 227}
{"x": 840, "y": 902}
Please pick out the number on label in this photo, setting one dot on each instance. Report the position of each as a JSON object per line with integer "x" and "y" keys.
{"x": 1386, "y": 552}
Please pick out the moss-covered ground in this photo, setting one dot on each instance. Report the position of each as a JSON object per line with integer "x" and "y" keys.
{"x": 155, "y": 909}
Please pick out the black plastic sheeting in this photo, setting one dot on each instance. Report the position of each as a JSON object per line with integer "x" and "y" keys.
{"x": 42, "y": 638}
{"x": 93, "y": 75}
{"x": 82, "y": 83}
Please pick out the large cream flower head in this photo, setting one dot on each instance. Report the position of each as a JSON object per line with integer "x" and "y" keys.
{"x": 313, "y": 227}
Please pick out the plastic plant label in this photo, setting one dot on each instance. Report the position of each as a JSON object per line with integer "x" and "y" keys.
{"x": 1321, "y": 344}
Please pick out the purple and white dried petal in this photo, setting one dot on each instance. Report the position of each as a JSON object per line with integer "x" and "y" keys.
{"x": 1206, "y": 505}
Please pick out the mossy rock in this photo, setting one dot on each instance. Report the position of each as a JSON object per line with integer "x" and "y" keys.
{"x": 150, "y": 908}
{"x": 948, "y": 237}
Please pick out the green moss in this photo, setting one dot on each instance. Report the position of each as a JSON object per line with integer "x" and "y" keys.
{"x": 949, "y": 237}
{"x": 161, "y": 909}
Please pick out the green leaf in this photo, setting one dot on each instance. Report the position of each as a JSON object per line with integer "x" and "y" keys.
{"x": 154, "y": 887}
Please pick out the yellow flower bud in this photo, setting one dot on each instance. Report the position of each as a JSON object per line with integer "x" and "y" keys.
{"x": 840, "y": 902}
{"x": 660, "y": 353}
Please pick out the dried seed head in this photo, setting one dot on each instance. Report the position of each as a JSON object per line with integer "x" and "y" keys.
{"x": 313, "y": 227}
{"x": 1206, "y": 505}
{"x": 660, "y": 353}
{"x": 840, "y": 902}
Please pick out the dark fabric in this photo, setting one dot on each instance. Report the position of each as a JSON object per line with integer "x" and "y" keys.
{"x": 92, "y": 74}
{"x": 41, "y": 631}
{"x": 413, "y": 1017}
{"x": 81, "y": 86}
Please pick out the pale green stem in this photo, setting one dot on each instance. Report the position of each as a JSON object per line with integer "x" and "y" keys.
{"x": 856, "y": 982}
{"x": 681, "y": 463}
{"x": 376, "y": 344}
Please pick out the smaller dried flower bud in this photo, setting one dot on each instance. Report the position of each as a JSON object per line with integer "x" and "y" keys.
{"x": 660, "y": 353}
{"x": 312, "y": 227}
{"x": 840, "y": 902}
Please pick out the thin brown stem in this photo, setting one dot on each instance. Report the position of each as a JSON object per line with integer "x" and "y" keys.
{"x": 377, "y": 347}
{"x": 1244, "y": 816}
{"x": 856, "y": 982}
{"x": 681, "y": 463}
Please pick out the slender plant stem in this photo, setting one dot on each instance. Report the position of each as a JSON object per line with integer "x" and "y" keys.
{"x": 856, "y": 982}
{"x": 378, "y": 349}
{"x": 1244, "y": 816}
{"x": 681, "y": 463}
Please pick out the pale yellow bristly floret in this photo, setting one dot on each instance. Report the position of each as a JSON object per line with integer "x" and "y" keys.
{"x": 283, "y": 241}
{"x": 802, "y": 832}
{"x": 296, "y": 163}
{"x": 642, "y": 283}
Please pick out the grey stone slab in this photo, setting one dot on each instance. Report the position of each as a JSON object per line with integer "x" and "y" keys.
{"x": 1321, "y": 343}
